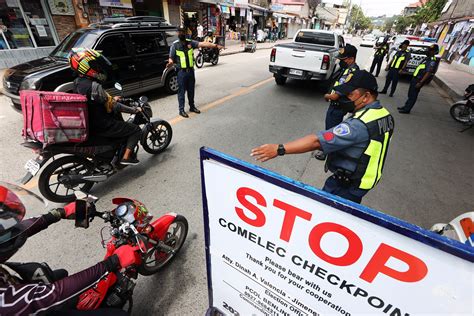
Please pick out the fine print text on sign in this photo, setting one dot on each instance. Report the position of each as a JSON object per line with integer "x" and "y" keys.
{"x": 272, "y": 251}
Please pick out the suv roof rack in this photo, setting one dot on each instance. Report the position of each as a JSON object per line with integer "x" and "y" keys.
{"x": 130, "y": 21}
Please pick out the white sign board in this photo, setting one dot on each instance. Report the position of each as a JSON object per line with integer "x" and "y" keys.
{"x": 278, "y": 247}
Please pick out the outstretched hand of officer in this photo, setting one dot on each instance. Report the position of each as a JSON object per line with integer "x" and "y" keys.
{"x": 331, "y": 96}
{"x": 265, "y": 152}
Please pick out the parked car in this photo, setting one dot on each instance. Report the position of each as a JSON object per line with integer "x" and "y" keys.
{"x": 138, "y": 48}
{"x": 418, "y": 51}
{"x": 368, "y": 41}
{"x": 311, "y": 56}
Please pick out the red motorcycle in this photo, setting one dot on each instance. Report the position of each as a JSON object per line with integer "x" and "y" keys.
{"x": 130, "y": 222}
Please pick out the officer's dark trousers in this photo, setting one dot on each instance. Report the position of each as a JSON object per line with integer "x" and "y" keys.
{"x": 412, "y": 96}
{"x": 186, "y": 82}
{"x": 392, "y": 77}
{"x": 334, "y": 116}
{"x": 333, "y": 186}
{"x": 377, "y": 61}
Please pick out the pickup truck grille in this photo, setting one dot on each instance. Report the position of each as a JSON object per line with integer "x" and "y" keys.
{"x": 11, "y": 86}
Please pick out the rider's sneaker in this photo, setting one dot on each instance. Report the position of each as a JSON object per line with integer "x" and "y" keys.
{"x": 130, "y": 161}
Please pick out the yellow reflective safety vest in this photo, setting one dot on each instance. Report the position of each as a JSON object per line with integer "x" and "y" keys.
{"x": 185, "y": 55}
{"x": 399, "y": 59}
{"x": 380, "y": 124}
{"x": 381, "y": 51}
{"x": 342, "y": 78}
{"x": 421, "y": 67}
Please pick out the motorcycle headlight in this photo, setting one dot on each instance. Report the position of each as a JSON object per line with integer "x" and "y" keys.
{"x": 30, "y": 84}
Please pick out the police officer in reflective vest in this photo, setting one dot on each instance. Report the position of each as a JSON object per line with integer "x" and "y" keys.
{"x": 182, "y": 56}
{"x": 356, "y": 148}
{"x": 421, "y": 77}
{"x": 395, "y": 67}
{"x": 381, "y": 51}
{"x": 335, "y": 113}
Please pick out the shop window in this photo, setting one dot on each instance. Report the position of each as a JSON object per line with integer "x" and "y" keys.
{"x": 39, "y": 25}
{"x": 13, "y": 30}
{"x": 113, "y": 46}
{"x": 150, "y": 43}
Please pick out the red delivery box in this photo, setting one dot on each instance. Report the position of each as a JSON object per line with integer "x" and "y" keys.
{"x": 54, "y": 117}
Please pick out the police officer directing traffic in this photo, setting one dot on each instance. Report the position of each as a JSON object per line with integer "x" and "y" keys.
{"x": 421, "y": 77}
{"x": 335, "y": 113}
{"x": 381, "y": 51}
{"x": 182, "y": 56}
{"x": 395, "y": 67}
{"x": 356, "y": 148}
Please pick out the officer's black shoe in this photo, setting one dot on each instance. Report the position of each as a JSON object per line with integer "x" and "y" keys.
{"x": 383, "y": 92}
{"x": 402, "y": 111}
{"x": 390, "y": 95}
{"x": 320, "y": 155}
{"x": 400, "y": 107}
{"x": 195, "y": 110}
{"x": 183, "y": 114}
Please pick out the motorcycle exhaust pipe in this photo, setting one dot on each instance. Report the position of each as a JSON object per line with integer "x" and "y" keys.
{"x": 76, "y": 179}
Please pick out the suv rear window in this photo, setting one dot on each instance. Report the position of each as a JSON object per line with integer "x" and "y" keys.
{"x": 76, "y": 39}
{"x": 326, "y": 39}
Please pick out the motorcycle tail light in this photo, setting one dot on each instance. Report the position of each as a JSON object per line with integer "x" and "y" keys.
{"x": 325, "y": 63}
{"x": 273, "y": 55}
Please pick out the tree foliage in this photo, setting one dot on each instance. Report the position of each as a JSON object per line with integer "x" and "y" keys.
{"x": 429, "y": 12}
{"x": 358, "y": 20}
{"x": 313, "y": 4}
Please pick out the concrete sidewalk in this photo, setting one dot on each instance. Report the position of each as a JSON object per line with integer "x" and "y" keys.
{"x": 453, "y": 80}
{"x": 233, "y": 47}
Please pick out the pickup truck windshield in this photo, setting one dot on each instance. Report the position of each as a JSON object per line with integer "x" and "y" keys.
{"x": 326, "y": 39}
{"x": 76, "y": 39}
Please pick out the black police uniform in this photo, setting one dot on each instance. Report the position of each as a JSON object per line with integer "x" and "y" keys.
{"x": 393, "y": 73}
{"x": 379, "y": 55}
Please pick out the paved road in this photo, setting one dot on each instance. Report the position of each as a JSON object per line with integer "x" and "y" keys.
{"x": 427, "y": 177}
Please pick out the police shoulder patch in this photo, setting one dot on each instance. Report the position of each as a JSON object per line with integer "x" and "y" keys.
{"x": 342, "y": 130}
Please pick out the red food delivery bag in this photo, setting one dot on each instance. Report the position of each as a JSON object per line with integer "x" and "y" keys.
{"x": 54, "y": 117}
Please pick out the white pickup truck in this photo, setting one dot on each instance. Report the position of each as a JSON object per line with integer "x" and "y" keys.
{"x": 311, "y": 56}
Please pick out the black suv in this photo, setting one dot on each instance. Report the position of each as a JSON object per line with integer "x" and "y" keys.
{"x": 138, "y": 48}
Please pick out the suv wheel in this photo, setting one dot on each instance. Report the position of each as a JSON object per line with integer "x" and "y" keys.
{"x": 171, "y": 83}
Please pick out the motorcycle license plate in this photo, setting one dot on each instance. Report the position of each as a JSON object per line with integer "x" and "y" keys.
{"x": 296, "y": 72}
{"x": 32, "y": 166}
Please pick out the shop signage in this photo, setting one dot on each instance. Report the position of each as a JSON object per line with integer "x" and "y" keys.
{"x": 61, "y": 7}
{"x": 117, "y": 3}
{"x": 277, "y": 7}
{"x": 241, "y": 3}
{"x": 275, "y": 246}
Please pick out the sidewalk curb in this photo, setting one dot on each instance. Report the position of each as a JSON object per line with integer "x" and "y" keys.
{"x": 242, "y": 51}
{"x": 451, "y": 92}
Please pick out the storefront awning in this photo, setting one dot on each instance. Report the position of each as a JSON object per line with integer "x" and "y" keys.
{"x": 281, "y": 15}
{"x": 258, "y": 8}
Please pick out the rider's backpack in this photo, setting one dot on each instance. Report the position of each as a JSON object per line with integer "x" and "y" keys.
{"x": 54, "y": 117}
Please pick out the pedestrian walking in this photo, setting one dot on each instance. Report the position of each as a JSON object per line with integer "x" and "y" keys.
{"x": 182, "y": 56}
{"x": 356, "y": 148}
{"x": 395, "y": 67}
{"x": 421, "y": 77}
{"x": 335, "y": 113}
{"x": 381, "y": 51}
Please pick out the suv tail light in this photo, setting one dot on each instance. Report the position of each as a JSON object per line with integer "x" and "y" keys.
{"x": 325, "y": 63}
{"x": 273, "y": 55}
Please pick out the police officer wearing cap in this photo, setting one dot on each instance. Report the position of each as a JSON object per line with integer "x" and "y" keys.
{"x": 356, "y": 148}
{"x": 421, "y": 77}
{"x": 182, "y": 56}
{"x": 395, "y": 67}
{"x": 335, "y": 113}
{"x": 381, "y": 51}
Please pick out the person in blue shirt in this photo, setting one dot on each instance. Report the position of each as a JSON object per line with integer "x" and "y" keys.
{"x": 182, "y": 56}
{"x": 421, "y": 77}
{"x": 356, "y": 148}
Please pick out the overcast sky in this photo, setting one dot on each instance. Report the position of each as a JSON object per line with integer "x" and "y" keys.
{"x": 379, "y": 7}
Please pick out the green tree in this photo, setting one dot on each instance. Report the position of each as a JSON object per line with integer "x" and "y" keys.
{"x": 358, "y": 20}
{"x": 429, "y": 12}
{"x": 389, "y": 23}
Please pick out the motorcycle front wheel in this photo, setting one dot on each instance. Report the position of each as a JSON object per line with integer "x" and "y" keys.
{"x": 215, "y": 60}
{"x": 461, "y": 112}
{"x": 156, "y": 137}
{"x": 199, "y": 60}
{"x": 154, "y": 260}
{"x": 53, "y": 185}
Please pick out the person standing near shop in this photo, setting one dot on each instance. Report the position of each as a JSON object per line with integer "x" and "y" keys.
{"x": 356, "y": 148}
{"x": 395, "y": 67}
{"x": 381, "y": 51}
{"x": 421, "y": 77}
{"x": 200, "y": 32}
{"x": 335, "y": 113}
{"x": 182, "y": 56}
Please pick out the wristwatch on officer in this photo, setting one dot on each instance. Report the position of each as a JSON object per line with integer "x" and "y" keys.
{"x": 281, "y": 150}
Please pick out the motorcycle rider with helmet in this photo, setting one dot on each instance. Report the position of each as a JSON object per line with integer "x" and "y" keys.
{"x": 91, "y": 67}
{"x": 33, "y": 288}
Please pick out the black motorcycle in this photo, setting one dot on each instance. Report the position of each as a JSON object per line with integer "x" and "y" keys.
{"x": 463, "y": 111}
{"x": 207, "y": 55}
{"x": 77, "y": 167}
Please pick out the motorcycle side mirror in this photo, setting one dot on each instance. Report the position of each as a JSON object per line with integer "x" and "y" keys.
{"x": 118, "y": 86}
{"x": 143, "y": 99}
